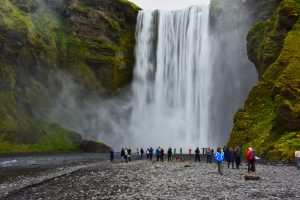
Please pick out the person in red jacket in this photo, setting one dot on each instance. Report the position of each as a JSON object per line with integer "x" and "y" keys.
{"x": 250, "y": 160}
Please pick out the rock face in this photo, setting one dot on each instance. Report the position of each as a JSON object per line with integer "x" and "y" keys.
{"x": 92, "y": 40}
{"x": 270, "y": 119}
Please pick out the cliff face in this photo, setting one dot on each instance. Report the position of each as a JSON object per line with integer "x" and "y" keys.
{"x": 270, "y": 119}
{"x": 92, "y": 40}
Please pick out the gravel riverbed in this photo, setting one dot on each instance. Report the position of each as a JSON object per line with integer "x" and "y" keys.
{"x": 156, "y": 180}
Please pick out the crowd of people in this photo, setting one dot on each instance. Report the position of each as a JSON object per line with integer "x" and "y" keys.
{"x": 232, "y": 156}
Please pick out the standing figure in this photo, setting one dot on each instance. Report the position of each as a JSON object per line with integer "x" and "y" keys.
{"x": 137, "y": 151}
{"x": 147, "y": 153}
{"x": 230, "y": 158}
{"x": 126, "y": 155}
{"x": 112, "y": 155}
{"x": 237, "y": 156}
{"x": 169, "y": 154}
{"x": 208, "y": 155}
{"x": 151, "y": 153}
{"x": 197, "y": 155}
{"x": 174, "y": 151}
{"x": 219, "y": 158}
{"x": 180, "y": 151}
{"x": 190, "y": 151}
{"x": 157, "y": 154}
{"x": 122, "y": 155}
{"x": 162, "y": 153}
{"x": 129, "y": 154}
{"x": 250, "y": 160}
{"x": 142, "y": 152}
{"x": 297, "y": 155}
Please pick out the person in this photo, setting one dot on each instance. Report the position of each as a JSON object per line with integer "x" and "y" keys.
{"x": 219, "y": 158}
{"x": 250, "y": 160}
{"x": 208, "y": 155}
{"x": 151, "y": 153}
{"x": 190, "y": 151}
{"x": 180, "y": 151}
{"x": 137, "y": 151}
{"x": 129, "y": 154}
{"x": 126, "y": 155}
{"x": 197, "y": 155}
{"x": 297, "y": 155}
{"x": 169, "y": 154}
{"x": 142, "y": 152}
{"x": 162, "y": 153}
{"x": 112, "y": 155}
{"x": 147, "y": 153}
{"x": 157, "y": 154}
{"x": 122, "y": 155}
{"x": 237, "y": 156}
{"x": 174, "y": 151}
{"x": 230, "y": 157}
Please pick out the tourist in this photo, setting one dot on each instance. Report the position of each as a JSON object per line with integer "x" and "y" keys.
{"x": 219, "y": 158}
{"x": 180, "y": 151}
{"x": 126, "y": 155}
{"x": 169, "y": 154}
{"x": 297, "y": 155}
{"x": 137, "y": 151}
{"x": 208, "y": 155}
{"x": 162, "y": 153}
{"x": 250, "y": 160}
{"x": 129, "y": 154}
{"x": 142, "y": 152}
{"x": 151, "y": 153}
{"x": 174, "y": 151}
{"x": 197, "y": 155}
{"x": 157, "y": 154}
{"x": 147, "y": 153}
{"x": 230, "y": 157}
{"x": 190, "y": 151}
{"x": 122, "y": 155}
{"x": 112, "y": 155}
{"x": 237, "y": 156}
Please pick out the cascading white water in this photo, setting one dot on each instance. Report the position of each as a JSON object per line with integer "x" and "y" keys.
{"x": 172, "y": 78}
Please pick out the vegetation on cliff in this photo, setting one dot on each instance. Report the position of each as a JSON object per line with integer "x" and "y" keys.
{"x": 92, "y": 40}
{"x": 270, "y": 120}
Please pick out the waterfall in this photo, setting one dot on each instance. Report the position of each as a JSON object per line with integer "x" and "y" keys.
{"x": 172, "y": 79}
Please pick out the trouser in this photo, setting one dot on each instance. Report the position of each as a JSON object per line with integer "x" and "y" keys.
{"x": 220, "y": 168}
{"x": 298, "y": 162}
{"x": 237, "y": 162}
{"x": 251, "y": 166}
{"x": 142, "y": 155}
{"x": 162, "y": 158}
{"x": 169, "y": 157}
{"x": 147, "y": 156}
{"x": 151, "y": 156}
{"x": 208, "y": 159}
{"x": 197, "y": 158}
{"x": 157, "y": 158}
{"x": 232, "y": 163}
{"x": 129, "y": 158}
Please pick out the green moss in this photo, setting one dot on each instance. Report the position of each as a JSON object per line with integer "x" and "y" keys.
{"x": 78, "y": 7}
{"x": 271, "y": 116}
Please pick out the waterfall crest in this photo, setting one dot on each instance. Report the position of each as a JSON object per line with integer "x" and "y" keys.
{"x": 172, "y": 78}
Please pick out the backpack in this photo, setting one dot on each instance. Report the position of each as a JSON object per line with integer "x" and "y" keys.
{"x": 219, "y": 157}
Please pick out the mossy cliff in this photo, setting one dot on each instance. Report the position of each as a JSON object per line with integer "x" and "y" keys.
{"x": 92, "y": 40}
{"x": 270, "y": 119}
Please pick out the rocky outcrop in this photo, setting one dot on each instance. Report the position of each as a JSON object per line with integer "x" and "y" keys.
{"x": 91, "y": 40}
{"x": 270, "y": 118}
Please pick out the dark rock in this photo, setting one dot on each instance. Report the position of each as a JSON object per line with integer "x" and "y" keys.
{"x": 252, "y": 177}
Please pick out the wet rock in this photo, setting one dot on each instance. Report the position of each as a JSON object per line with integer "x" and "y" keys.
{"x": 252, "y": 177}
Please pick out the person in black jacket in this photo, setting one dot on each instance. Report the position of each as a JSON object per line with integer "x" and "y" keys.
{"x": 142, "y": 152}
{"x": 123, "y": 155}
{"x": 162, "y": 153}
{"x": 197, "y": 155}
{"x": 169, "y": 154}
{"x": 237, "y": 156}
{"x": 151, "y": 153}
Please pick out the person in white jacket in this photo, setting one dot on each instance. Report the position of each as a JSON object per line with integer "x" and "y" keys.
{"x": 297, "y": 155}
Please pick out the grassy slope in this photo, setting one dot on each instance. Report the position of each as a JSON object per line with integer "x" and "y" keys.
{"x": 270, "y": 120}
{"x": 35, "y": 42}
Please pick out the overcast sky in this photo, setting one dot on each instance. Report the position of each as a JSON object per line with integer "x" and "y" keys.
{"x": 167, "y": 4}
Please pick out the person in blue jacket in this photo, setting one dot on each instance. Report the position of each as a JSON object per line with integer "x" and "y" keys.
{"x": 219, "y": 158}
{"x": 157, "y": 154}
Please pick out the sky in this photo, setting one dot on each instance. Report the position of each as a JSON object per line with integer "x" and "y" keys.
{"x": 167, "y": 4}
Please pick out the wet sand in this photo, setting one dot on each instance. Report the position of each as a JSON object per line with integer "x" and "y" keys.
{"x": 155, "y": 180}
